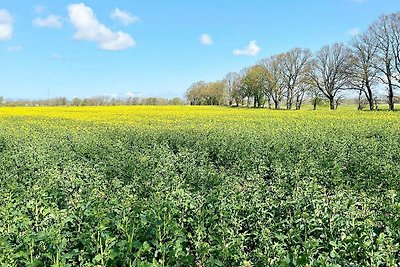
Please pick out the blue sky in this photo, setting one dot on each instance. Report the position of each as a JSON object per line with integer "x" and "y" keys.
{"x": 155, "y": 47}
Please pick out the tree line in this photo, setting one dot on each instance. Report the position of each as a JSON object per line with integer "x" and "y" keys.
{"x": 369, "y": 63}
{"x": 95, "y": 101}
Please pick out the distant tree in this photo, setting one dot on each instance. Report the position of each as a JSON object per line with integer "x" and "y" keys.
{"x": 295, "y": 66}
{"x": 274, "y": 87}
{"x": 176, "y": 101}
{"x": 301, "y": 92}
{"x": 194, "y": 93}
{"x": 61, "y": 101}
{"x": 395, "y": 43}
{"x": 364, "y": 75}
{"x": 201, "y": 93}
{"x": 76, "y": 101}
{"x": 154, "y": 101}
{"x": 85, "y": 102}
{"x": 132, "y": 101}
{"x": 2, "y": 101}
{"x": 384, "y": 34}
{"x": 244, "y": 90}
{"x": 254, "y": 82}
{"x": 215, "y": 93}
{"x": 231, "y": 80}
{"x": 238, "y": 90}
{"x": 101, "y": 100}
{"x": 330, "y": 71}
{"x": 339, "y": 100}
{"x": 315, "y": 96}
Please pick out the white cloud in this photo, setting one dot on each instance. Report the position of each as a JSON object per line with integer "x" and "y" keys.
{"x": 39, "y": 9}
{"x": 354, "y": 31}
{"x": 252, "y": 49}
{"x": 6, "y": 25}
{"x": 90, "y": 29}
{"x": 51, "y": 21}
{"x": 56, "y": 57}
{"x": 206, "y": 39}
{"x": 14, "y": 48}
{"x": 124, "y": 17}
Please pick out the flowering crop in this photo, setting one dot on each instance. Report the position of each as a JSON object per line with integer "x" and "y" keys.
{"x": 198, "y": 186}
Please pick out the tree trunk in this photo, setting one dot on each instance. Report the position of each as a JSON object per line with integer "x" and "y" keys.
{"x": 289, "y": 104}
{"x": 289, "y": 98}
{"x": 370, "y": 97}
{"x": 390, "y": 86}
{"x": 359, "y": 101}
{"x": 332, "y": 103}
{"x": 315, "y": 104}
{"x": 371, "y": 104}
{"x": 299, "y": 101}
{"x": 391, "y": 97}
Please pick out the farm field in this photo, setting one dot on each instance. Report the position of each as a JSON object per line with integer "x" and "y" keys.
{"x": 199, "y": 186}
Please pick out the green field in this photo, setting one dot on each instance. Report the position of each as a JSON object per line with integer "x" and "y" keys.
{"x": 199, "y": 186}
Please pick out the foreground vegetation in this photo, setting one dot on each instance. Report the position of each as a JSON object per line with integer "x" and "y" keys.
{"x": 198, "y": 186}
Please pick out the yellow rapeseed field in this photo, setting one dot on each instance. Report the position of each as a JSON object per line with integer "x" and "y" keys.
{"x": 192, "y": 117}
{"x": 198, "y": 186}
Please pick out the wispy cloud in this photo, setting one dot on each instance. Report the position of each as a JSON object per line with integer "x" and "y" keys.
{"x": 354, "y": 31}
{"x": 51, "y": 21}
{"x": 206, "y": 39}
{"x": 124, "y": 17}
{"x": 90, "y": 29}
{"x": 56, "y": 57}
{"x": 39, "y": 9}
{"x": 252, "y": 49}
{"x": 6, "y": 25}
{"x": 14, "y": 48}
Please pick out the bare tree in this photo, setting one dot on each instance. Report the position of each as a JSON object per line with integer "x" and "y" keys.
{"x": 364, "y": 74}
{"x": 295, "y": 64}
{"x": 274, "y": 86}
{"x": 330, "y": 71}
{"x": 395, "y": 33}
{"x": 301, "y": 91}
{"x": 231, "y": 80}
{"x": 315, "y": 96}
{"x": 238, "y": 92}
{"x": 382, "y": 34}
{"x": 339, "y": 100}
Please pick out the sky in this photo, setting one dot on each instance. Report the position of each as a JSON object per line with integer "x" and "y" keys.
{"x": 159, "y": 48}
